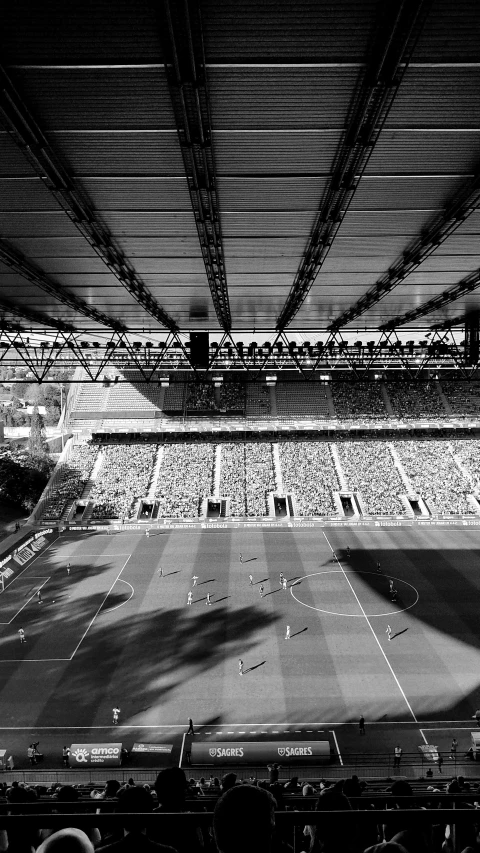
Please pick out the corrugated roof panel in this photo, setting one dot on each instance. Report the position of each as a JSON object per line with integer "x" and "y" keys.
{"x": 365, "y": 223}
{"x": 179, "y": 266}
{"x": 351, "y": 247}
{"x": 425, "y": 151}
{"x": 239, "y": 194}
{"x": 107, "y": 30}
{"x": 461, "y": 263}
{"x": 374, "y": 265}
{"x": 245, "y": 30}
{"x": 12, "y": 161}
{"x": 281, "y": 97}
{"x": 138, "y": 194}
{"x": 75, "y": 265}
{"x": 46, "y": 224}
{"x": 417, "y": 192}
{"x": 273, "y": 152}
{"x": 107, "y": 153}
{"x": 264, "y": 247}
{"x": 451, "y": 32}
{"x": 54, "y": 247}
{"x": 325, "y": 280}
{"x": 437, "y": 97}
{"x": 459, "y": 245}
{"x": 272, "y": 223}
{"x": 96, "y": 99}
{"x": 25, "y": 194}
{"x": 255, "y": 266}
{"x": 260, "y": 281}
{"x": 156, "y": 247}
{"x": 151, "y": 223}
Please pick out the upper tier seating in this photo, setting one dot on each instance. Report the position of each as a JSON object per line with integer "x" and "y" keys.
{"x": 369, "y": 468}
{"x": 232, "y": 395}
{"x": 301, "y": 400}
{"x": 174, "y": 396}
{"x": 463, "y": 397}
{"x": 124, "y": 476}
{"x": 361, "y": 400}
{"x": 200, "y": 396}
{"x": 309, "y": 472}
{"x": 258, "y": 401}
{"x": 247, "y": 476}
{"x": 411, "y": 399}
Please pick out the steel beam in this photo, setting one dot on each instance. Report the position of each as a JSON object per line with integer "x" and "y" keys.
{"x": 468, "y": 284}
{"x": 378, "y": 86}
{"x": 182, "y": 42}
{"x": 31, "y": 141}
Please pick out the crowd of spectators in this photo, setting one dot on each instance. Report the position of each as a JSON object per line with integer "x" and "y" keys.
{"x": 468, "y": 452}
{"x": 463, "y": 397}
{"x": 123, "y": 478}
{"x": 247, "y": 476}
{"x": 309, "y": 472}
{"x": 201, "y": 396}
{"x": 232, "y": 396}
{"x": 361, "y": 400}
{"x": 369, "y": 468}
{"x": 185, "y": 479}
{"x": 410, "y": 399}
{"x": 245, "y": 817}
{"x": 434, "y": 475}
{"x": 72, "y": 480}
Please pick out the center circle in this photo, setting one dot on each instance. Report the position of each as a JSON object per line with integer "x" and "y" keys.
{"x": 408, "y": 595}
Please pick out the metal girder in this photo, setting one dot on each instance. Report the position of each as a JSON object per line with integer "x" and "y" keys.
{"x": 461, "y": 207}
{"x": 13, "y": 259}
{"x": 35, "y": 317}
{"x": 394, "y": 43}
{"x": 182, "y": 42}
{"x": 466, "y": 285}
{"x": 30, "y": 139}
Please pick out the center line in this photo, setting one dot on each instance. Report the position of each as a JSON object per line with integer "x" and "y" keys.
{"x": 375, "y": 636}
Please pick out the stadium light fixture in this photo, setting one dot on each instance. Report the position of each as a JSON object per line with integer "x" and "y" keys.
{"x": 271, "y": 379}
{"x": 217, "y": 381}
{"x": 164, "y": 381}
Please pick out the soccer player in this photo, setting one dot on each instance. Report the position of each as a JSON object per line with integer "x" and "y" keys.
{"x": 190, "y": 730}
{"x": 287, "y": 633}
{"x": 147, "y": 533}
{"x": 240, "y": 666}
{"x": 195, "y": 579}
{"x": 190, "y": 597}
{"x": 334, "y": 557}
{"x": 209, "y": 596}
{"x": 348, "y": 553}
{"x": 284, "y": 584}
{"x": 68, "y": 569}
{"x": 361, "y": 725}
{"x": 281, "y": 579}
{"x": 22, "y": 636}
{"x": 389, "y": 632}
{"x": 39, "y": 596}
{"x": 391, "y": 586}
{"x": 262, "y": 589}
{"x": 453, "y": 749}
{"x": 115, "y": 713}
{"x": 379, "y": 569}
{"x": 394, "y": 593}
{"x": 250, "y": 578}
{"x": 160, "y": 571}
{"x": 240, "y": 558}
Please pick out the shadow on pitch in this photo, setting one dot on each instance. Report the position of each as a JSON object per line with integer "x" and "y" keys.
{"x": 296, "y": 634}
{"x": 167, "y": 574}
{"x": 211, "y": 580}
{"x": 251, "y": 668}
{"x": 399, "y": 633}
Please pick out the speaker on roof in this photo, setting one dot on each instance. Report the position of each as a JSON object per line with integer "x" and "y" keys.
{"x": 199, "y": 349}
{"x": 471, "y": 338}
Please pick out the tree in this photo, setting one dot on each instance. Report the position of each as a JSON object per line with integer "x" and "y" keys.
{"x": 37, "y": 444}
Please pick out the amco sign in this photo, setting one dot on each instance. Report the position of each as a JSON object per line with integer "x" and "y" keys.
{"x": 92, "y": 754}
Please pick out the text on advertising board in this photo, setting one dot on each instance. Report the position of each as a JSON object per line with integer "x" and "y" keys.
{"x": 88, "y": 754}
{"x": 235, "y": 752}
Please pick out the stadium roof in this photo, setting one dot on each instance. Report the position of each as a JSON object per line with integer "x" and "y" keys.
{"x": 230, "y": 164}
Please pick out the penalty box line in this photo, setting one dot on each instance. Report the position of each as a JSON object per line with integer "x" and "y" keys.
{"x": 97, "y": 611}
{"x": 34, "y": 577}
{"x": 376, "y": 639}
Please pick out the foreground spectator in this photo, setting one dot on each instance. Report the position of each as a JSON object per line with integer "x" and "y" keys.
{"x": 332, "y": 837}
{"x": 135, "y": 800}
{"x": 69, "y": 840}
{"x": 171, "y": 787}
{"x": 244, "y": 820}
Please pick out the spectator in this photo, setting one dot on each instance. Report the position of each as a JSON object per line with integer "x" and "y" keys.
{"x": 171, "y": 789}
{"x": 331, "y": 838}
{"x": 229, "y": 781}
{"x": 273, "y": 772}
{"x": 244, "y": 820}
{"x": 134, "y": 800}
{"x": 69, "y": 840}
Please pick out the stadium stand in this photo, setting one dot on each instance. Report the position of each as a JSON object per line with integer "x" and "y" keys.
{"x": 414, "y": 400}
{"x": 468, "y": 451}
{"x": 247, "y": 476}
{"x": 362, "y": 400}
{"x": 309, "y": 472}
{"x": 232, "y": 477}
{"x": 185, "y": 479}
{"x": 301, "y": 400}
{"x": 369, "y": 468}
{"x": 232, "y": 396}
{"x": 200, "y": 396}
{"x": 174, "y": 397}
{"x": 463, "y": 397}
{"x": 72, "y": 480}
{"x": 434, "y": 475}
{"x": 123, "y": 478}
{"x": 257, "y": 401}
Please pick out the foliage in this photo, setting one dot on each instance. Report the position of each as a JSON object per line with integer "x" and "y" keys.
{"x": 23, "y": 477}
{"x": 37, "y": 444}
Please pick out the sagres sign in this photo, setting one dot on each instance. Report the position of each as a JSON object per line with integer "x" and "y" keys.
{"x": 89, "y": 754}
{"x": 242, "y": 752}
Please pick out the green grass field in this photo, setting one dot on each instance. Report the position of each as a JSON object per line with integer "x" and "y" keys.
{"x": 116, "y": 632}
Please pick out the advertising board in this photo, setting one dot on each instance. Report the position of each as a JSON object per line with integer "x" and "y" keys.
{"x": 243, "y": 752}
{"x": 93, "y": 754}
